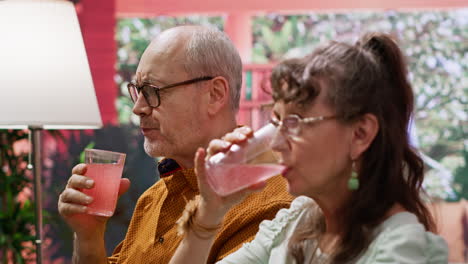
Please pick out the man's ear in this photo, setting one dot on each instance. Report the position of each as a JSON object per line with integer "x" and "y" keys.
{"x": 218, "y": 95}
{"x": 364, "y": 131}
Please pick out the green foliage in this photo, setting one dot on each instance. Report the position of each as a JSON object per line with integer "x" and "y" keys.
{"x": 16, "y": 219}
{"x": 82, "y": 154}
{"x": 461, "y": 177}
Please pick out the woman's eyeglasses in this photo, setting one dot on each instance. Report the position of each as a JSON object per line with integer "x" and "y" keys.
{"x": 292, "y": 125}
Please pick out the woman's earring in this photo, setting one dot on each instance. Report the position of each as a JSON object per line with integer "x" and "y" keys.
{"x": 353, "y": 182}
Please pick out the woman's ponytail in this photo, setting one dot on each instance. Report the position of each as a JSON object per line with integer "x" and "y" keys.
{"x": 393, "y": 64}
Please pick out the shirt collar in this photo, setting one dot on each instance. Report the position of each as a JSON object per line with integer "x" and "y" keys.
{"x": 167, "y": 167}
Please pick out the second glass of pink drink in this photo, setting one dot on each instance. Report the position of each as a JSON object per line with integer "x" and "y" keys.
{"x": 244, "y": 165}
{"x": 105, "y": 168}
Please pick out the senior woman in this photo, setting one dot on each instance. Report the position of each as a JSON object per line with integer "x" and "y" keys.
{"x": 342, "y": 115}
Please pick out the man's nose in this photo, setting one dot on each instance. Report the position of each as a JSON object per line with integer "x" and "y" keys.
{"x": 141, "y": 107}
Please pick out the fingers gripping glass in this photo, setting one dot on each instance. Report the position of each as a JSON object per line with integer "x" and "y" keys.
{"x": 292, "y": 124}
{"x": 151, "y": 92}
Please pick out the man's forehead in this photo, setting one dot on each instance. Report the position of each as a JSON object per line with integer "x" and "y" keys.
{"x": 164, "y": 59}
{"x": 160, "y": 70}
{"x": 170, "y": 42}
{"x": 164, "y": 52}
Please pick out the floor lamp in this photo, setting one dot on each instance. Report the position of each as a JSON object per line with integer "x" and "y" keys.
{"x": 45, "y": 79}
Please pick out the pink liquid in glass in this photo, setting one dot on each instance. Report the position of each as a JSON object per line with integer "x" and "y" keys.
{"x": 228, "y": 179}
{"x": 106, "y": 187}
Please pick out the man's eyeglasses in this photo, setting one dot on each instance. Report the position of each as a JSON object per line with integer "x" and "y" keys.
{"x": 292, "y": 125}
{"x": 151, "y": 92}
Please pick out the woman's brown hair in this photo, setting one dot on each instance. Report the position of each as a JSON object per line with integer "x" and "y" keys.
{"x": 368, "y": 77}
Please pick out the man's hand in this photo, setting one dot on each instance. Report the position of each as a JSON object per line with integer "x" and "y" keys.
{"x": 73, "y": 203}
{"x": 89, "y": 229}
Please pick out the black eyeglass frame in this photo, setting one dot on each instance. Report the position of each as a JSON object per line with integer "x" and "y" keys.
{"x": 140, "y": 88}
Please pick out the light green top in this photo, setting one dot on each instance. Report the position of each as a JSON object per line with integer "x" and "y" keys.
{"x": 400, "y": 239}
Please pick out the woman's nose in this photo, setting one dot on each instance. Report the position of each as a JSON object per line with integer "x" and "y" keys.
{"x": 279, "y": 142}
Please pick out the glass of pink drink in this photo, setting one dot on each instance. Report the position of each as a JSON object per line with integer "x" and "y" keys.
{"x": 105, "y": 168}
{"x": 244, "y": 165}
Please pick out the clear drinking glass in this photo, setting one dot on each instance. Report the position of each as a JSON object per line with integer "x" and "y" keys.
{"x": 244, "y": 165}
{"x": 105, "y": 168}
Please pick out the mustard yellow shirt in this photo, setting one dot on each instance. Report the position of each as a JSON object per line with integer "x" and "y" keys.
{"x": 152, "y": 233}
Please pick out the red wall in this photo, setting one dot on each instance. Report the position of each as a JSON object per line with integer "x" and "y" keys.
{"x": 97, "y": 20}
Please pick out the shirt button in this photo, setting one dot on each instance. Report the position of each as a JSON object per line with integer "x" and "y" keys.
{"x": 161, "y": 239}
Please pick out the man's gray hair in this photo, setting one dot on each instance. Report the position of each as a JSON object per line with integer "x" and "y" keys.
{"x": 209, "y": 52}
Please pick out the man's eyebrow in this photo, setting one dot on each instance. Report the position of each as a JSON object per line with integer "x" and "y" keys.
{"x": 151, "y": 82}
{"x": 148, "y": 79}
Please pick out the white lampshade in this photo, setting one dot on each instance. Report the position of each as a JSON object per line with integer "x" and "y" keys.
{"x": 45, "y": 80}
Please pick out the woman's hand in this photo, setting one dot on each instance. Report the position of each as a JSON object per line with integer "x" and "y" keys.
{"x": 213, "y": 207}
